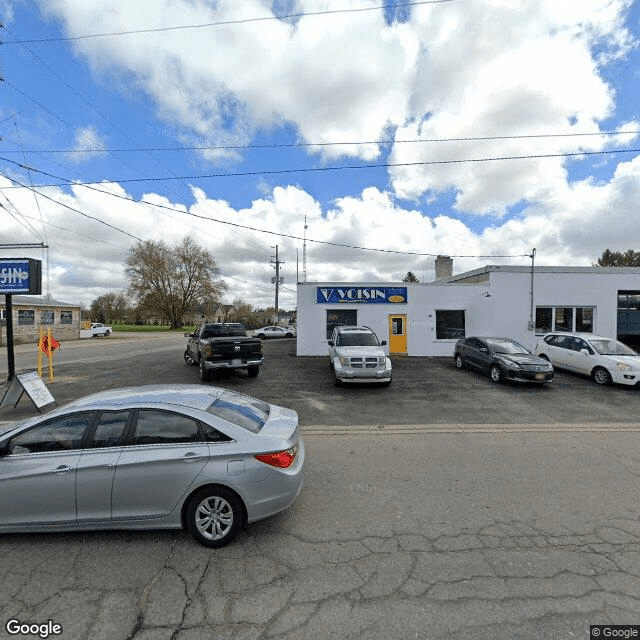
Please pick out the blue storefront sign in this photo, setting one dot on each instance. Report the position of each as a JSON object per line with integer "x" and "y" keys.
{"x": 361, "y": 295}
{"x": 20, "y": 275}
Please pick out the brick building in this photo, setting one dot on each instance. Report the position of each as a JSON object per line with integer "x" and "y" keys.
{"x": 30, "y": 313}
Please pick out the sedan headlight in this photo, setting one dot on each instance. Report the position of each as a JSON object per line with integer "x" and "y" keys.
{"x": 623, "y": 366}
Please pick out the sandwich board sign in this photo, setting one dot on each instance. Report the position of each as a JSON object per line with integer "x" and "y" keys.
{"x": 31, "y": 384}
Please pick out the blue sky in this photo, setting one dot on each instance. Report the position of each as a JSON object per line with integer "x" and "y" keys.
{"x": 377, "y": 121}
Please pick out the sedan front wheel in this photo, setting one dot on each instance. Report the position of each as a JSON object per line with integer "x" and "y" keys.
{"x": 601, "y": 376}
{"x": 214, "y": 516}
{"x": 459, "y": 361}
{"x": 495, "y": 373}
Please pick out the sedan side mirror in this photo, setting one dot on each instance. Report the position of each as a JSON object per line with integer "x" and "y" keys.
{"x": 585, "y": 351}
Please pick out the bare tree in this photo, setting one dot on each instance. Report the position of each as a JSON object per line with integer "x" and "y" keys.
{"x": 110, "y": 307}
{"x": 172, "y": 280}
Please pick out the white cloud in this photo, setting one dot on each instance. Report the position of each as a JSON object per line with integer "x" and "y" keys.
{"x": 572, "y": 225}
{"x": 87, "y": 141}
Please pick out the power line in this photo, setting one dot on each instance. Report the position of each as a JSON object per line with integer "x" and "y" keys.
{"x": 220, "y": 23}
{"x": 62, "y": 204}
{"x": 240, "y": 147}
{"x": 381, "y": 165}
{"x": 242, "y": 226}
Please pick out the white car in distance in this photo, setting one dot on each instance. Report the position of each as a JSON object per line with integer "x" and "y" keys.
{"x": 356, "y": 355}
{"x": 606, "y": 360}
{"x": 265, "y": 333}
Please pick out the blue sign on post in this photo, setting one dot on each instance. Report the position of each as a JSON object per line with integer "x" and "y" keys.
{"x": 368, "y": 295}
{"x": 20, "y": 275}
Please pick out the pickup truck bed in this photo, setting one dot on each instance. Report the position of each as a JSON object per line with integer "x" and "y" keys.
{"x": 216, "y": 346}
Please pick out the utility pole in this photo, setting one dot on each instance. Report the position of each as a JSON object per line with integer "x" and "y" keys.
{"x": 532, "y": 316}
{"x": 277, "y": 280}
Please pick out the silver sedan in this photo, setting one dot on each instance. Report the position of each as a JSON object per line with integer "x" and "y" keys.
{"x": 155, "y": 457}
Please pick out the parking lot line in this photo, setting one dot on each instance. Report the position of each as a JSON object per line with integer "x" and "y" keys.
{"x": 409, "y": 429}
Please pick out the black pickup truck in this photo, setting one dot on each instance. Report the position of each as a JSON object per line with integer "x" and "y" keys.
{"x": 215, "y": 346}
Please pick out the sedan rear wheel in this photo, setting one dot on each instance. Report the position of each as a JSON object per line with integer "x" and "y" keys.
{"x": 601, "y": 376}
{"x": 214, "y": 516}
{"x": 495, "y": 373}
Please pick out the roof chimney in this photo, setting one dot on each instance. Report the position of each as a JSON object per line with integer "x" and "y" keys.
{"x": 444, "y": 267}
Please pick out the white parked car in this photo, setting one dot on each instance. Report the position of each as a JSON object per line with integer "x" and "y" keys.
{"x": 356, "y": 355}
{"x": 99, "y": 329}
{"x": 606, "y": 360}
{"x": 265, "y": 333}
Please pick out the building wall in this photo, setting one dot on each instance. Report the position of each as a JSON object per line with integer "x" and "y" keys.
{"x": 498, "y": 306}
{"x": 24, "y": 333}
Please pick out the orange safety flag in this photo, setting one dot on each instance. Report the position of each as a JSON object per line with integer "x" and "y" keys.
{"x": 48, "y": 344}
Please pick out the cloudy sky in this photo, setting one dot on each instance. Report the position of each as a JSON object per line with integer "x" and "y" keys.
{"x": 478, "y": 129}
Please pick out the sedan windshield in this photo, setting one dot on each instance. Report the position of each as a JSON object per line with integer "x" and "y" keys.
{"x": 241, "y": 410}
{"x": 612, "y": 348}
{"x": 506, "y": 346}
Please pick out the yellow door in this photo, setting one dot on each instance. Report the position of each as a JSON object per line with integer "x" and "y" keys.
{"x": 398, "y": 334}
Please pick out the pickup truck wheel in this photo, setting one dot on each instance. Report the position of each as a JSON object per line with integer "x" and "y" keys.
{"x": 204, "y": 374}
{"x": 253, "y": 371}
{"x": 189, "y": 359}
{"x": 107, "y": 332}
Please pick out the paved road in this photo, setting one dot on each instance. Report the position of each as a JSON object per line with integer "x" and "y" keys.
{"x": 473, "y": 524}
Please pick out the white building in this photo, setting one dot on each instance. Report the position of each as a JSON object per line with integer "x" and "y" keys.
{"x": 425, "y": 319}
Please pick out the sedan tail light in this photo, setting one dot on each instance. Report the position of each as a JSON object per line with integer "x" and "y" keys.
{"x": 280, "y": 459}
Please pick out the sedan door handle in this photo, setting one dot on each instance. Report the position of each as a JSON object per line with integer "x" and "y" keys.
{"x": 191, "y": 457}
{"x": 62, "y": 469}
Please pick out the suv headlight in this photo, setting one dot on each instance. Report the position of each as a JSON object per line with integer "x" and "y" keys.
{"x": 344, "y": 361}
{"x": 381, "y": 361}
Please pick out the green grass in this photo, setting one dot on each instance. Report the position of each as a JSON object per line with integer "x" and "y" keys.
{"x": 149, "y": 327}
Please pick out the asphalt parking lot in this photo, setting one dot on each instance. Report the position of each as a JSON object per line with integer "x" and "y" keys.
{"x": 443, "y": 507}
{"x": 423, "y": 391}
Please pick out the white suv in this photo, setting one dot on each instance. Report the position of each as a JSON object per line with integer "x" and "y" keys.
{"x": 356, "y": 355}
{"x": 606, "y": 360}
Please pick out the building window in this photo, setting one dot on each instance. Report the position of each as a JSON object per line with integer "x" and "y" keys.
{"x": 66, "y": 317}
{"x": 544, "y": 319}
{"x": 26, "y": 316}
{"x": 564, "y": 319}
{"x": 46, "y": 317}
{"x": 340, "y": 317}
{"x": 584, "y": 319}
{"x": 449, "y": 324}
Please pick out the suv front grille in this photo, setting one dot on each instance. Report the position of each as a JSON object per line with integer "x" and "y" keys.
{"x": 364, "y": 363}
